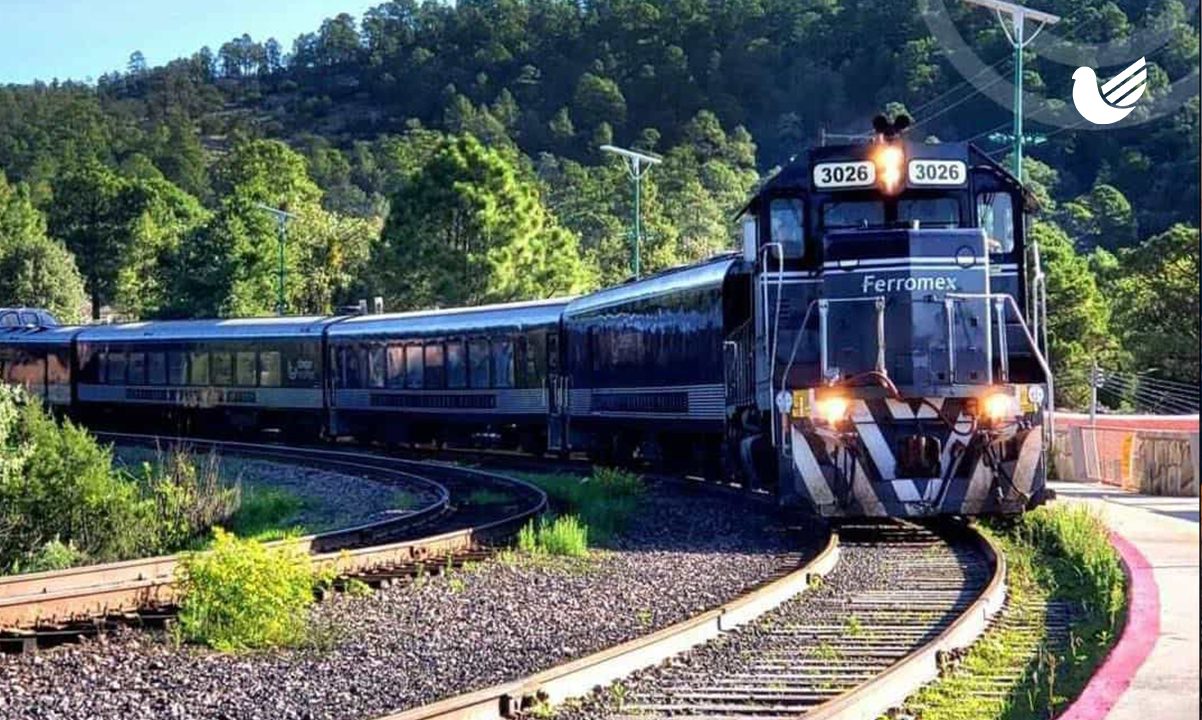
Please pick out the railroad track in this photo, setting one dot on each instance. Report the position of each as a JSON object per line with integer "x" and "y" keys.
{"x": 884, "y": 608}
{"x": 64, "y": 603}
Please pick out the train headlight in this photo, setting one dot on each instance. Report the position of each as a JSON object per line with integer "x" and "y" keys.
{"x": 832, "y": 409}
{"x": 889, "y": 160}
{"x": 1000, "y": 406}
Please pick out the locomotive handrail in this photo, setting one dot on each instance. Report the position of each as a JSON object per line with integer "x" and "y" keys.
{"x": 999, "y": 299}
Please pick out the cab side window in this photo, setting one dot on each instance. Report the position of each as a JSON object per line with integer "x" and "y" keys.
{"x": 788, "y": 226}
{"x": 995, "y": 211}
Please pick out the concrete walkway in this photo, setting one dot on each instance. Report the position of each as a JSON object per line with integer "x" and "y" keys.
{"x": 1165, "y": 530}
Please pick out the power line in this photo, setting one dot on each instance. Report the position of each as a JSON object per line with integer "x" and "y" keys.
{"x": 1004, "y": 124}
{"x": 976, "y": 91}
{"x": 957, "y": 86}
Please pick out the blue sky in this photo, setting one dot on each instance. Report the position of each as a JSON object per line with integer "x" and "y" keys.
{"x": 81, "y": 39}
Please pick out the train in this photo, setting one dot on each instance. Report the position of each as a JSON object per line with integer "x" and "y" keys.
{"x": 875, "y": 348}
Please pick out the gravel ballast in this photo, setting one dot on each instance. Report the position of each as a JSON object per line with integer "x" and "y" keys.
{"x": 412, "y": 644}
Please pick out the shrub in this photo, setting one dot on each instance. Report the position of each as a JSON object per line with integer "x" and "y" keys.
{"x": 604, "y": 501}
{"x": 65, "y": 488}
{"x": 565, "y": 536}
{"x": 245, "y": 595}
{"x": 1075, "y": 536}
{"x": 54, "y": 555}
{"x": 188, "y": 497}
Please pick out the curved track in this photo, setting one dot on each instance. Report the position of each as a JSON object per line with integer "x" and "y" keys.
{"x": 451, "y": 523}
{"x": 893, "y": 601}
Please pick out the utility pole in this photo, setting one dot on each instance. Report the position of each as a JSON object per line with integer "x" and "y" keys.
{"x": 1016, "y": 34}
{"x": 281, "y": 219}
{"x": 637, "y": 165}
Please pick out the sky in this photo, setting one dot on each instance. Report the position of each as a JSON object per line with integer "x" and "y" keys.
{"x": 83, "y": 39}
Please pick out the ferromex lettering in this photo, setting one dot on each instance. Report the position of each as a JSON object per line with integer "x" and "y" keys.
{"x": 907, "y": 284}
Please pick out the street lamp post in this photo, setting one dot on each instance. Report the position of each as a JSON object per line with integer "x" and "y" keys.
{"x": 281, "y": 218}
{"x": 1016, "y": 35}
{"x": 637, "y": 164}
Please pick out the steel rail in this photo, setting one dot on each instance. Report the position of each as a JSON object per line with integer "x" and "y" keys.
{"x": 579, "y": 676}
{"x": 889, "y": 689}
{"x": 867, "y": 700}
{"x": 114, "y": 588}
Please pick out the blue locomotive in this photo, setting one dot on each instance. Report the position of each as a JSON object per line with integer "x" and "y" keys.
{"x": 873, "y": 350}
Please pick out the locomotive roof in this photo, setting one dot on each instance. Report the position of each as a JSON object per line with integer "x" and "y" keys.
{"x": 711, "y": 273}
{"x": 240, "y": 328}
{"x": 796, "y": 175}
{"x": 515, "y": 315}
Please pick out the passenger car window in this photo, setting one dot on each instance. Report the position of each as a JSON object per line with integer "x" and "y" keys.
{"x": 995, "y": 212}
{"x": 456, "y": 364}
{"x": 199, "y": 365}
{"x": 222, "y": 369}
{"x": 116, "y": 368}
{"x": 478, "y": 359}
{"x": 137, "y": 368}
{"x": 177, "y": 368}
{"x": 413, "y": 366}
{"x": 502, "y": 363}
{"x": 788, "y": 226}
{"x": 28, "y": 318}
{"x": 9, "y": 319}
{"x": 156, "y": 368}
{"x": 396, "y": 366}
{"x": 244, "y": 369}
{"x": 434, "y": 373}
{"x": 351, "y": 361}
{"x": 269, "y": 368}
{"x": 375, "y": 366}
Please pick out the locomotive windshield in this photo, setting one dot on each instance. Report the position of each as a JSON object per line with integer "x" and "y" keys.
{"x": 941, "y": 211}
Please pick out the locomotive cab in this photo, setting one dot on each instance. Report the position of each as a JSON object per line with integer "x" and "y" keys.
{"x": 900, "y": 366}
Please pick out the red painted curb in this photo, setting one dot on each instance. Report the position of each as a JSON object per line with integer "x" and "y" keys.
{"x": 1139, "y": 637}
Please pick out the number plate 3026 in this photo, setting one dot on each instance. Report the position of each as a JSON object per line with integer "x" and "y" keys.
{"x": 840, "y": 175}
{"x": 945, "y": 173}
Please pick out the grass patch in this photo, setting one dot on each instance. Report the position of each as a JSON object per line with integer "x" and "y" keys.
{"x": 242, "y": 595}
{"x": 564, "y": 536}
{"x": 267, "y": 513}
{"x": 485, "y": 496}
{"x": 603, "y": 501}
{"x": 1059, "y": 558}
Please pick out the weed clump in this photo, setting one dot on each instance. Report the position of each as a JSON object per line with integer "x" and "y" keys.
{"x": 244, "y": 595}
{"x": 604, "y": 501}
{"x": 564, "y": 536}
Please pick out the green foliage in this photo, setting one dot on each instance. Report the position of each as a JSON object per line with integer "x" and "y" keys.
{"x": 61, "y": 500}
{"x": 54, "y": 555}
{"x": 1056, "y": 554}
{"x": 564, "y": 536}
{"x": 468, "y": 228}
{"x": 35, "y": 270}
{"x": 266, "y": 514}
{"x": 1075, "y": 541}
{"x": 244, "y": 595}
{"x": 66, "y": 489}
{"x": 604, "y": 502}
{"x": 1156, "y": 303}
{"x": 189, "y": 498}
{"x": 1078, "y": 316}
